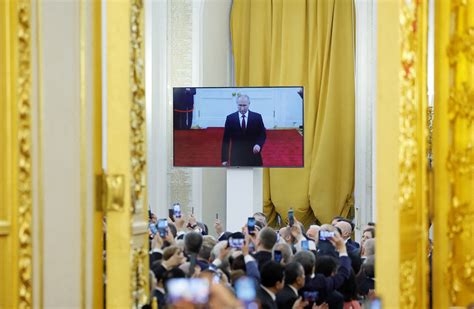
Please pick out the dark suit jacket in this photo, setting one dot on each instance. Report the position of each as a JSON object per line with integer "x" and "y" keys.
{"x": 241, "y": 142}
{"x": 327, "y": 285}
{"x": 285, "y": 298}
{"x": 265, "y": 299}
{"x": 262, "y": 257}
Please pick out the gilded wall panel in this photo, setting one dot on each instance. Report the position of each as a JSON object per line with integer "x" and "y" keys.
{"x": 453, "y": 154}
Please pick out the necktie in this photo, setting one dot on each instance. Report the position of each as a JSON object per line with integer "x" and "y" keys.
{"x": 243, "y": 122}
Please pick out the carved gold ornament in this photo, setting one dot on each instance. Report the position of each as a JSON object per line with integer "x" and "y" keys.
{"x": 24, "y": 154}
{"x": 138, "y": 109}
{"x": 139, "y": 276}
{"x": 408, "y": 284}
{"x": 408, "y": 106}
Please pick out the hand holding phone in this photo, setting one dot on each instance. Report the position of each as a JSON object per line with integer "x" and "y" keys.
{"x": 305, "y": 245}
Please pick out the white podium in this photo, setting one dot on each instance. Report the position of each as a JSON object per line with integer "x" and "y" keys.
{"x": 244, "y": 196}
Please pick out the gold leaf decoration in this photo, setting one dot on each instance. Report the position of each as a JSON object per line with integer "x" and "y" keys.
{"x": 24, "y": 154}
{"x": 138, "y": 108}
{"x": 139, "y": 276}
{"x": 408, "y": 106}
{"x": 461, "y": 44}
{"x": 460, "y": 104}
{"x": 408, "y": 284}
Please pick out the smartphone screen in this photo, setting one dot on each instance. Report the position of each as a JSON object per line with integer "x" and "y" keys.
{"x": 162, "y": 227}
{"x": 217, "y": 216}
{"x": 325, "y": 235}
{"x": 305, "y": 245}
{"x": 310, "y": 296}
{"x": 245, "y": 290}
{"x": 177, "y": 210}
{"x": 251, "y": 225}
{"x": 153, "y": 228}
{"x": 193, "y": 290}
{"x": 291, "y": 217}
{"x": 236, "y": 243}
{"x": 277, "y": 256}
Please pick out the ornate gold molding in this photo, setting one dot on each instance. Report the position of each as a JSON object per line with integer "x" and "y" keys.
{"x": 460, "y": 153}
{"x": 139, "y": 276}
{"x": 138, "y": 109}
{"x": 408, "y": 284}
{"x": 408, "y": 106}
{"x": 24, "y": 153}
{"x": 139, "y": 272}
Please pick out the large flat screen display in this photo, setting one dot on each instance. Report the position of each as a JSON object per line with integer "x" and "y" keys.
{"x": 238, "y": 127}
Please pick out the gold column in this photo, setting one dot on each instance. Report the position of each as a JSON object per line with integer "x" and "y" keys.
{"x": 453, "y": 154}
{"x": 15, "y": 155}
{"x": 402, "y": 208}
{"x": 125, "y": 196}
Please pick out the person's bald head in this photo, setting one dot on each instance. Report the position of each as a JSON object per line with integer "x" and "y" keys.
{"x": 313, "y": 231}
{"x": 345, "y": 228}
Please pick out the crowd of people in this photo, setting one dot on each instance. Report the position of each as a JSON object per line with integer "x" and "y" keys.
{"x": 260, "y": 266}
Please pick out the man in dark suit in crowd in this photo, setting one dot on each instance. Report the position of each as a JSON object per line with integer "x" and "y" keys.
{"x": 294, "y": 280}
{"x": 266, "y": 239}
{"x": 183, "y": 106}
{"x": 244, "y": 134}
{"x": 272, "y": 277}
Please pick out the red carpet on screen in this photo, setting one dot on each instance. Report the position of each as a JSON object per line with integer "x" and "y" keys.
{"x": 202, "y": 147}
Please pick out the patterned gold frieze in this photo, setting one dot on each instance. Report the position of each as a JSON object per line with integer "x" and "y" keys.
{"x": 460, "y": 219}
{"x": 139, "y": 276}
{"x": 460, "y": 163}
{"x": 461, "y": 44}
{"x": 138, "y": 108}
{"x": 408, "y": 108}
{"x": 408, "y": 284}
{"x": 25, "y": 154}
{"x": 460, "y": 104}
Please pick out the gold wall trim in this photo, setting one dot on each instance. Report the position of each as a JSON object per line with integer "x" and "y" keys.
{"x": 413, "y": 155}
{"x": 24, "y": 153}
{"x": 139, "y": 272}
{"x": 138, "y": 109}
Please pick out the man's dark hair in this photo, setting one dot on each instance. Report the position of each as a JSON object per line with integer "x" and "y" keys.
{"x": 271, "y": 273}
{"x": 325, "y": 265}
{"x": 173, "y": 273}
{"x": 268, "y": 238}
{"x": 338, "y": 218}
{"x": 192, "y": 243}
{"x": 306, "y": 259}
{"x": 292, "y": 271}
{"x": 371, "y": 230}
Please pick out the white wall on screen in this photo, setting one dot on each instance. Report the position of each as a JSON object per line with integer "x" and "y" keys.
{"x": 279, "y": 107}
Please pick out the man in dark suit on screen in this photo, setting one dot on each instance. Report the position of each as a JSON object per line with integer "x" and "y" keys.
{"x": 244, "y": 134}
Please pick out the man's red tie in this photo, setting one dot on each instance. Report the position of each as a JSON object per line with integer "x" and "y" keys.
{"x": 243, "y": 122}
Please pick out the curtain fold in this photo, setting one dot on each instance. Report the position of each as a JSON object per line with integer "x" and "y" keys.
{"x": 309, "y": 43}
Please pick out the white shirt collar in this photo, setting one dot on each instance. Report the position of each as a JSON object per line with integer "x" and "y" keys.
{"x": 294, "y": 289}
{"x": 272, "y": 295}
{"x": 246, "y": 115}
